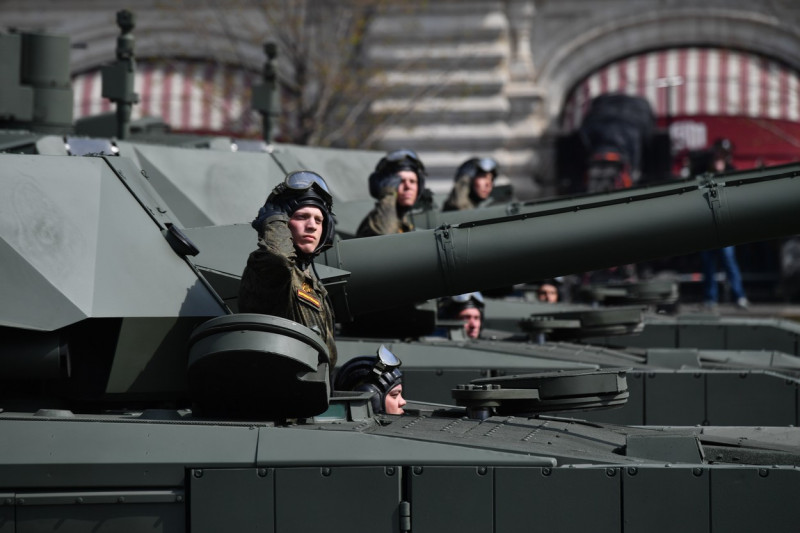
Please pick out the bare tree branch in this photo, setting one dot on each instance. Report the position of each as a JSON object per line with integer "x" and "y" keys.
{"x": 328, "y": 83}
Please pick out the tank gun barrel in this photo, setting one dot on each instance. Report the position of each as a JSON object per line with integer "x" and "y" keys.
{"x": 569, "y": 236}
{"x": 430, "y": 219}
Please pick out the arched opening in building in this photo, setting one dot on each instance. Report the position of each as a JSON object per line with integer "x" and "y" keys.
{"x": 697, "y": 95}
{"x": 702, "y": 94}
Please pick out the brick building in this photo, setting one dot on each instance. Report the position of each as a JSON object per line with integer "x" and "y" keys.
{"x": 501, "y": 78}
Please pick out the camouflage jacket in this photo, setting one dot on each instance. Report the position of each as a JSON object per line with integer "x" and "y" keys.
{"x": 277, "y": 281}
{"x": 384, "y": 220}
{"x": 461, "y": 198}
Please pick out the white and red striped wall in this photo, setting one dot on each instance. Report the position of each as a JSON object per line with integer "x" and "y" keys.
{"x": 702, "y": 94}
{"x": 190, "y": 96}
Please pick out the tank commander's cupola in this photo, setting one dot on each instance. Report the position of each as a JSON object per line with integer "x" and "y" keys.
{"x": 252, "y": 365}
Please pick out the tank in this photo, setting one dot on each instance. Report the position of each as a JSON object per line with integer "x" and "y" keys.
{"x": 660, "y": 346}
{"x": 197, "y": 187}
{"x": 135, "y": 398}
{"x": 116, "y": 336}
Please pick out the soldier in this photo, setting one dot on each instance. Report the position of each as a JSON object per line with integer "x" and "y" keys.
{"x": 397, "y": 182}
{"x": 548, "y": 291}
{"x": 468, "y": 308}
{"x": 295, "y": 224}
{"x": 378, "y": 374}
{"x": 474, "y": 181}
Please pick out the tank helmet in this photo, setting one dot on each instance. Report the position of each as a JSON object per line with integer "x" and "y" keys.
{"x": 300, "y": 189}
{"x": 723, "y": 145}
{"x": 394, "y": 162}
{"x": 542, "y": 289}
{"x": 722, "y": 148}
{"x": 453, "y": 305}
{"x": 378, "y": 373}
{"x": 468, "y": 300}
{"x": 476, "y": 166}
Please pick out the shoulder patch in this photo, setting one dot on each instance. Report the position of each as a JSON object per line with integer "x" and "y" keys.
{"x": 307, "y": 295}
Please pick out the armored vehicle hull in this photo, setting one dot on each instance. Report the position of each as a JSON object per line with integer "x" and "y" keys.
{"x": 428, "y": 471}
{"x": 134, "y": 398}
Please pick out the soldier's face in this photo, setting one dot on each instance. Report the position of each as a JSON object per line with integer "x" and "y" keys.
{"x": 408, "y": 188}
{"x": 394, "y": 401}
{"x": 305, "y": 224}
{"x": 548, "y": 293}
{"x": 482, "y": 186}
{"x": 472, "y": 321}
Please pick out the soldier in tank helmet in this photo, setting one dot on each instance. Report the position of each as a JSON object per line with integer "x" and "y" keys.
{"x": 466, "y": 307}
{"x": 378, "y": 374}
{"x": 295, "y": 224}
{"x": 548, "y": 291}
{"x": 473, "y": 185}
{"x": 397, "y": 183}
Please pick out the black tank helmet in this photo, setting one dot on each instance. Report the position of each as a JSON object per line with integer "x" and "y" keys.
{"x": 392, "y": 163}
{"x": 303, "y": 188}
{"x": 477, "y": 165}
{"x": 474, "y": 167}
{"x": 369, "y": 373}
{"x": 722, "y": 146}
{"x": 452, "y": 305}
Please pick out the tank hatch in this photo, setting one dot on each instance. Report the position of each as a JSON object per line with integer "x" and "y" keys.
{"x": 572, "y": 323}
{"x": 543, "y": 392}
{"x": 656, "y": 292}
{"x": 252, "y": 365}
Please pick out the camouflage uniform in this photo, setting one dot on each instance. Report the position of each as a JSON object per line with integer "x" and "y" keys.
{"x": 384, "y": 219}
{"x": 461, "y": 196}
{"x": 278, "y": 281}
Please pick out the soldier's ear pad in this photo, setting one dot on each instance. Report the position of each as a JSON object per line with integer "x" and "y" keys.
{"x": 377, "y": 396}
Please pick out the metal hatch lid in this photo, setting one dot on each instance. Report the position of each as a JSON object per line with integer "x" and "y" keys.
{"x": 650, "y": 291}
{"x": 543, "y": 392}
{"x": 258, "y": 365}
{"x": 579, "y": 323}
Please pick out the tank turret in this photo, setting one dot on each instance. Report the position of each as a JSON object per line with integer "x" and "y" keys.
{"x": 101, "y": 302}
{"x": 543, "y": 240}
{"x": 367, "y": 275}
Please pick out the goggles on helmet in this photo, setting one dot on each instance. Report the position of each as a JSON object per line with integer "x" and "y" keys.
{"x": 302, "y": 180}
{"x": 486, "y": 165}
{"x": 466, "y": 297}
{"x": 476, "y": 166}
{"x": 400, "y": 157}
{"x": 386, "y": 361}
